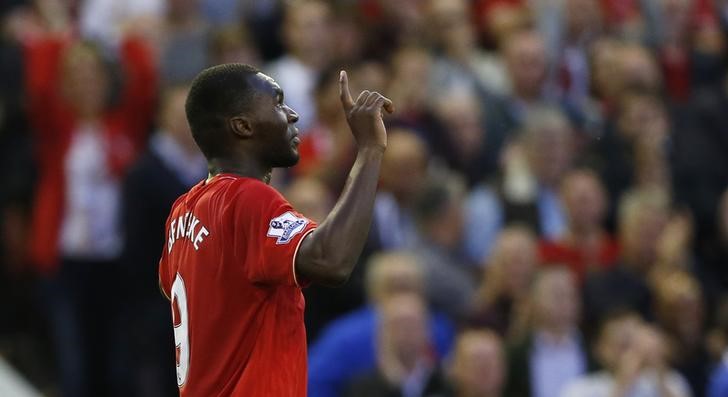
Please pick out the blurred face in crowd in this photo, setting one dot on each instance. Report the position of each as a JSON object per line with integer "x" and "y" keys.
{"x": 452, "y": 25}
{"x": 404, "y": 332}
{"x": 85, "y": 81}
{"x": 478, "y": 366}
{"x": 582, "y": 17}
{"x": 310, "y": 197}
{"x": 605, "y": 68}
{"x": 173, "y": 118}
{"x": 404, "y": 165}
{"x": 676, "y": 14}
{"x": 525, "y": 56}
{"x": 461, "y": 114}
{"x": 514, "y": 260}
{"x": 637, "y": 69}
{"x": 328, "y": 104}
{"x": 369, "y": 74}
{"x": 680, "y": 308}
{"x": 550, "y": 145}
{"x": 308, "y": 32}
{"x": 585, "y": 200}
{"x": 183, "y": 9}
{"x": 504, "y": 20}
{"x": 616, "y": 338}
{"x": 407, "y": 14}
{"x": 410, "y": 68}
{"x": 231, "y": 44}
{"x": 349, "y": 46}
{"x": 556, "y": 301}
{"x": 642, "y": 220}
{"x": 629, "y": 336}
{"x": 393, "y": 273}
{"x": 642, "y": 115}
{"x": 446, "y": 226}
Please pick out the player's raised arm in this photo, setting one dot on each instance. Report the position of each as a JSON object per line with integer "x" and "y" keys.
{"x": 328, "y": 255}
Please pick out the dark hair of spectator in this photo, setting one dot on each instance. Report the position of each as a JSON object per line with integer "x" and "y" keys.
{"x": 216, "y": 94}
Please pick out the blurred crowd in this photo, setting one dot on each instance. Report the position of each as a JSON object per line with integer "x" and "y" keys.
{"x": 552, "y": 217}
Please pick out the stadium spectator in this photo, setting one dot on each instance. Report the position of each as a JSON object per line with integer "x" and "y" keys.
{"x": 326, "y": 148}
{"x": 635, "y": 360}
{"x": 478, "y": 365}
{"x": 700, "y": 177}
{"x": 183, "y": 41}
{"x": 680, "y": 312}
{"x": 404, "y": 171}
{"x": 642, "y": 219}
{"x": 170, "y": 166}
{"x": 311, "y": 197}
{"x": 633, "y": 151}
{"x": 569, "y": 43}
{"x": 468, "y": 147}
{"x": 410, "y": 67}
{"x": 461, "y": 64}
{"x": 307, "y": 34}
{"x": 405, "y": 363}
{"x": 347, "y": 347}
{"x": 502, "y": 297}
{"x": 585, "y": 246}
{"x": 449, "y": 278}
{"x": 107, "y": 22}
{"x": 86, "y": 135}
{"x": 524, "y": 55}
{"x": 603, "y": 65}
{"x": 232, "y": 43}
{"x": 526, "y": 191}
{"x": 554, "y": 351}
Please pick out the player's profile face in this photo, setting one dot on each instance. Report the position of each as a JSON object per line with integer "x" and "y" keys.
{"x": 275, "y": 124}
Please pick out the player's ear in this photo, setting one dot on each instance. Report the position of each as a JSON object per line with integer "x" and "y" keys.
{"x": 241, "y": 126}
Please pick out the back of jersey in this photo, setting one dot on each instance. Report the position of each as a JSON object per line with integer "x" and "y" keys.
{"x": 228, "y": 267}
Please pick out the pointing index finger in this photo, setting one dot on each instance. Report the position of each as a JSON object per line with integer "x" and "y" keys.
{"x": 344, "y": 93}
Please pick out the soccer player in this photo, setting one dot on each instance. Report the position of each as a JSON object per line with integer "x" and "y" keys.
{"x": 237, "y": 253}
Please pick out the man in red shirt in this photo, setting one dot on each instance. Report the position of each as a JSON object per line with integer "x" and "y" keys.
{"x": 237, "y": 253}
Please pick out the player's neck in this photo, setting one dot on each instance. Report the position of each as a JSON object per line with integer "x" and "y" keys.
{"x": 239, "y": 167}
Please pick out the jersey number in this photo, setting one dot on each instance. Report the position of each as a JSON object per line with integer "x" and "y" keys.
{"x": 181, "y": 329}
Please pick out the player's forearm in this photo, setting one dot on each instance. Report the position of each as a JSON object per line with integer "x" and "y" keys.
{"x": 329, "y": 254}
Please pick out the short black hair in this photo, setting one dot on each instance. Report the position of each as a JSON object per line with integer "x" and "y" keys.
{"x": 216, "y": 94}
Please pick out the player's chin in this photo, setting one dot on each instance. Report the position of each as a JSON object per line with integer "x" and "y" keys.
{"x": 291, "y": 159}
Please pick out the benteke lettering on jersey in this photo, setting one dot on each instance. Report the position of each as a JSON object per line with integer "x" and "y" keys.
{"x": 189, "y": 227}
{"x": 236, "y": 300}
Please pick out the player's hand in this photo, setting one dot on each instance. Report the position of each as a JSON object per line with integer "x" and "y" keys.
{"x": 365, "y": 115}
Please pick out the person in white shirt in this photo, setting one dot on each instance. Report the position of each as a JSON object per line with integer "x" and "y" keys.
{"x": 634, "y": 357}
{"x": 552, "y": 352}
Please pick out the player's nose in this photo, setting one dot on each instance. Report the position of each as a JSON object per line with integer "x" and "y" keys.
{"x": 292, "y": 115}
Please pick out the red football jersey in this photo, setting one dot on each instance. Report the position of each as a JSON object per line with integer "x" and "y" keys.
{"x": 228, "y": 269}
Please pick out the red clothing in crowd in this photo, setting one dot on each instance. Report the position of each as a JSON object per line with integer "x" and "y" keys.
{"x": 54, "y": 122}
{"x": 229, "y": 268}
{"x": 577, "y": 259}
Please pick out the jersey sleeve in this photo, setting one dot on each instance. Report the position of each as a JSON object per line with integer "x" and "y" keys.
{"x": 273, "y": 232}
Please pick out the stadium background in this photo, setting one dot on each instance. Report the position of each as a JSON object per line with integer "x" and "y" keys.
{"x": 556, "y": 179}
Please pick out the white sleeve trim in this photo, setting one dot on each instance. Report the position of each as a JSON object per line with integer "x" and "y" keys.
{"x": 295, "y": 253}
